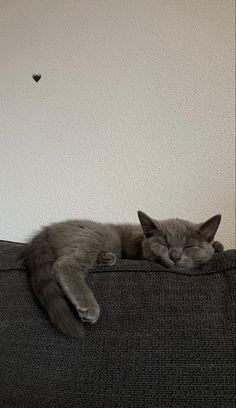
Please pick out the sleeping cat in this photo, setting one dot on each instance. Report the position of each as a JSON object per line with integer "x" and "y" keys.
{"x": 59, "y": 256}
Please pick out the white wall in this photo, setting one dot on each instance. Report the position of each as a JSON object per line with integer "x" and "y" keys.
{"x": 135, "y": 110}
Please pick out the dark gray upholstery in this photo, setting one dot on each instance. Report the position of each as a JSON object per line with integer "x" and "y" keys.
{"x": 163, "y": 339}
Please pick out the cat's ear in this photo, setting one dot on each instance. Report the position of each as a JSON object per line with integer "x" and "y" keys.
{"x": 208, "y": 229}
{"x": 148, "y": 225}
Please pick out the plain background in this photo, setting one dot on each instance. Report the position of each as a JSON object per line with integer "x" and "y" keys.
{"x": 134, "y": 110}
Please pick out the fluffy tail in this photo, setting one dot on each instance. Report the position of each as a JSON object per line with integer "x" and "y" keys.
{"x": 39, "y": 257}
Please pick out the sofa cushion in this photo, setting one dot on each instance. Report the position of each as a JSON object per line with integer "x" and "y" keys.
{"x": 163, "y": 339}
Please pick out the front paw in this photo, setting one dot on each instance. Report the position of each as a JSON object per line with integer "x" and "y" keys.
{"x": 106, "y": 258}
{"x": 218, "y": 247}
{"x": 89, "y": 311}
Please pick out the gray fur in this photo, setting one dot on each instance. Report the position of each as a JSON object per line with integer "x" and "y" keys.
{"x": 59, "y": 256}
{"x": 179, "y": 244}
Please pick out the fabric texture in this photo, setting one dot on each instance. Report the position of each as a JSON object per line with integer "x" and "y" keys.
{"x": 163, "y": 339}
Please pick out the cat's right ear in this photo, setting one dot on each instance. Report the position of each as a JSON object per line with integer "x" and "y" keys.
{"x": 208, "y": 229}
{"x": 148, "y": 225}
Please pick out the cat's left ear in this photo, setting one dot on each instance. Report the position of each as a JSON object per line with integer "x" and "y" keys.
{"x": 148, "y": 225}
{"x": 208, "y": 229}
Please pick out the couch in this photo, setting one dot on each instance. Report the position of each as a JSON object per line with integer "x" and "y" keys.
{"x": 163, "y": 339}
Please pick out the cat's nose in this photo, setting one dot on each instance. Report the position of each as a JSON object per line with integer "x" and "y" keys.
{"x": 175, "y": 255}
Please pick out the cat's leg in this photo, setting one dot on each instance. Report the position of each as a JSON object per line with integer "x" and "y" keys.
{"x": 69, "y": 272}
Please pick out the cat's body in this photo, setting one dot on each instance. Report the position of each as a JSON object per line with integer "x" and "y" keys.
{"x": 59, "y": 257}
{"x": 61, "y": 254}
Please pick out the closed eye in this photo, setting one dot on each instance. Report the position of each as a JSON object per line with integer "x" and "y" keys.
{"x": 191, "y": 246}
{"x": 166, "y": 246}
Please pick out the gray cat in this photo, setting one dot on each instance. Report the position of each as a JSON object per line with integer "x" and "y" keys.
{"x": 59, "y": 256}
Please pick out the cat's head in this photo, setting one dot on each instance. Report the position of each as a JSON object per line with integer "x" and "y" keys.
{"x": 178, "y": 244}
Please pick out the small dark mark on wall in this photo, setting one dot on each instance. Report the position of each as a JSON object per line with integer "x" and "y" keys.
{"x": 36, "y": 77}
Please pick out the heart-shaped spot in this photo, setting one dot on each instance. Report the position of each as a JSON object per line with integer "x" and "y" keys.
{"x": 36, "y": 77}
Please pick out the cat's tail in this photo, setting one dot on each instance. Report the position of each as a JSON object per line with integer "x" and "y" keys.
{"x": 39, "y": 258}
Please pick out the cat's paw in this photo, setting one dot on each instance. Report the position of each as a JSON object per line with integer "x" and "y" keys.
{"x": 89, "y": 311}
{"x": 106, "y": 258}
{"x": 218, "y": 247}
